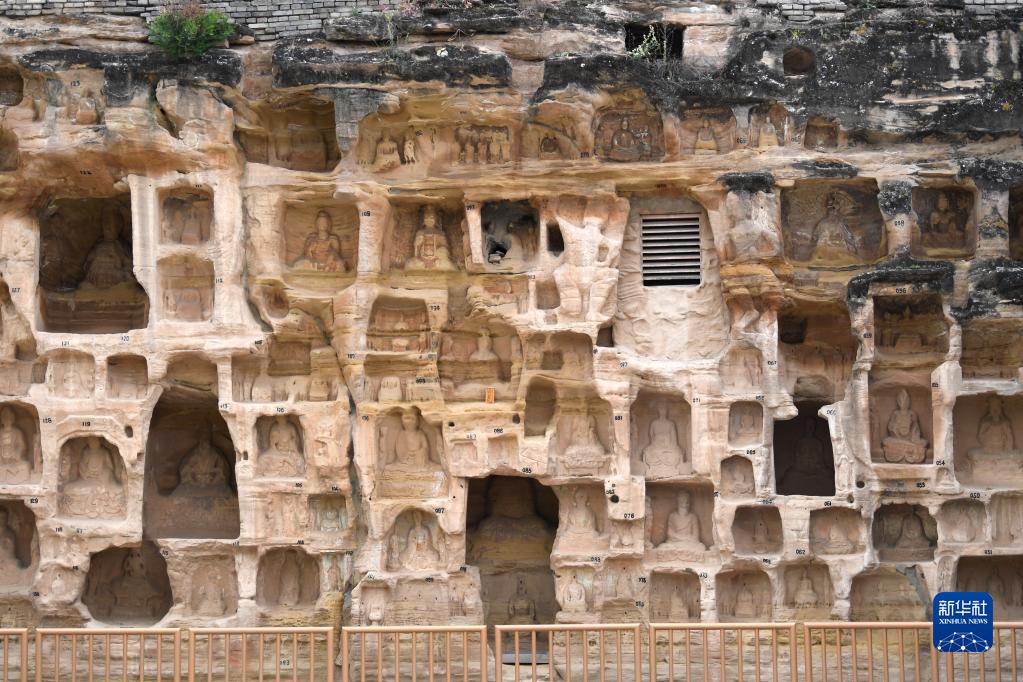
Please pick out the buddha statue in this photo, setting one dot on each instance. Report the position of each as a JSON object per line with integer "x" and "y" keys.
{"x": 408, "y": 147}
{"x": 811, "y": 473}
{"x": 745, "y": 605}
{"x": 411, "y": 447}
{"x": 806, "y": 596}
{"x": 191, "y": 232}
{"x": 322, "y": 248}
{"x": 283, "y": 454}
{"x": 484, "y": 348}
{"x": 904, "y": 442}
{"x": 837, "y": 540}
{"x": 584, "y": 447}
{"x": 625, "y": 145}
{"x": 960, "y": 524}
{"x": 108, "y": 264}
{"x": 831, "y": 239}
{"x": 912, "y": 537}
{"x": 663, "y": 452}
{"x": 430, "y": 246}
{"x": 745, "y": 429}
{"x": 741, "y": 480}
{"x": 996, "y": 459}
{"x": 521, "y": 608}
{"x": 706, "y": 142}
{"x": 134, "y": 594}
{"x": 390, "y": 390}
{"x": 210, "y": 598}
{"x": 387, "y": 156}
{"x": 683, "y": 528}
{"x": 943, "y": 224}
{"x": 204, "y": 470}
{"x": 95, "y": 491}
{"x": 580, "y": 521}
{"x": 419, "y": 553}
{"x": 573, "y": 596}
{"x": 512, "y": 533}
{"x": 15, "y": 457}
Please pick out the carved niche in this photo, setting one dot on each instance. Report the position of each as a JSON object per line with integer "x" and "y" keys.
{"x": 808, "y": 590}
{"x": 20, "y": 450}
{"x": 287, "y": 578}
{"x": 743, "y": 595}
{"x": 708, "y": 131}
{"x": 904, "y": 532}
{"x": 886, "y": 596}
{"x": 91, "y": 482}
{"x": 127, "y": 377}
{"x": 425, "y": 238}
{"x": 737, "y": 477}
{"x": 835, "y": 530}
{"x": 321, "y": 243}
{"x": 415, "y": 544}
{"x": 583, "y": 438}
{"x": 990, "y": 349}
{"x": 188, "y": 291}
{"x": 661, "y": 436}
{"x": 962, "y": 522}
{"x": 399, "y": 325}
{"x": 71, "y": 375}
{"x": 769, "y": 126}
{"x": 510, "y": 525}
{"x": 86, "y": 279}
{"x": 281, "y": 447}
{"x": 187, "y": 216}
{"x": 484, "y": 144}
{"x": 678, "y": 521}
{"x": 541, "y": 402}
{"x": 1006, "y": 520}
{"x": 945, "y": 222}
{"x": 409, "y": 455}
{"x": 583, "y": 527}
{"x": 213, "y": 587}
{"x": 832, "y": 224}
{"x": 297, "y": 133}
{"x": 900, "y": 423}
{"x": 292, "y": 371}
{"x": 912, "y": 326}
{"x": 480, "y": 364}
{"x": 128, "y": 585}
{"x": 757, "y": 530}
{"x": 19, "y": 547}
{"x": 510, "y": 235}
{"x": 1001, "y": 577}
{"x": 674, "y": 597}
{"x": 17, "y": 346}
{"x": 745, "y": 424}
{"x": 822, "y": 134}
{"x": 987, "y": 451}
{"x": 190, "y": 489}
{"x": 556, "y": 133}
{"x": 804, "y": 463}
{"x": 628, "y": 134}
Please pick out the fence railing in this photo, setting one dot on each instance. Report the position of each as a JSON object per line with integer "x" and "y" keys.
{"x": 722, "y": 652}
{"x": 572, "y": 652}
{"x": 298, "y": 654}
{"x": 377, "y": 653}
{"x": 108, "y": 654}
{"x": 660, "y": 652}
{"x": 13, "y": 655}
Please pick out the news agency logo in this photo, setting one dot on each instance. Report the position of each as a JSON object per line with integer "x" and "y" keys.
{"x": 963, "y": 622}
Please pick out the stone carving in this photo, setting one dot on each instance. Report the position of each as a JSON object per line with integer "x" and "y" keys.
{"x": 885, "y": 597}
{"x": 127, "y": 377}
{"x": 1001, "y": 577}
{"x": 743, "y": 596}
{"x": 661, "y": 426}
{"x": 430, "y": 244}
{"x": 408, "y": 455}
{"x": 322, "y": 248}
{"x": 510, "y": 234}
{"x": 417, "y": 549}
{"x": 737, "y": 477}
{"x": 287, "y": 578}
{"x": 804, "y": 463}
{"x": 91, "y": 479}
{"x": 675, "y": 528}
{"x": 746, "y": 424}
{"x": 709, "y": 131}
{"x": 188, "y": 289}
{"x": 574, "y": 597}
{"x": 821, "y": 134}
{"x": 128, "y": 585}
{"x": 628, "y": 136}
{"x": 579, "y": 443}
{"x": 835, "y": 531}
{"x": 1006, "y": 516}
{"x": 16, "y": 457}
{"x": 904, "y": 533}
{"x": 831, "y": 224}
{"x": 282, "y": 454}
{"x": 944, "y": 220}
{"x": 187, "y": 217}
{"x": 910, "y": 325}
{"x": 993, "y": 459}
{"x": 962, "y": 522}
{"x": 483, "y": 145}
{"x": 904, "y": 442}
{"x": 769, "y": 126}
{"x": 19, "y": 551}
{"x": 757, "y": 530}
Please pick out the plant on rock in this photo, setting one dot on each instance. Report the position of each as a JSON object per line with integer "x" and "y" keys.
{"x": 187, "y": 31}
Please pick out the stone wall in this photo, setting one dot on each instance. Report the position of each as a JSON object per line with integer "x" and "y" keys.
{"x": 511, "y": 326}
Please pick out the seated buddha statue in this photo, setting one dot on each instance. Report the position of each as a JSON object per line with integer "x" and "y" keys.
{"x": 996, "y": 456}
{"x": 95, "y": 491}
{"x": 683, "y": 528}
{"x": 430, "y": 246}
{"x": 283, "y": 454}
{"x": 663, "y": 453}
{"x": 904, "y": 442}
{"x": 15, "y": 460}
{"x": 322, "y": 248}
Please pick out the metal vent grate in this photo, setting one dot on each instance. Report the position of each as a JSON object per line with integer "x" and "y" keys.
{"x": 671, "y": 249}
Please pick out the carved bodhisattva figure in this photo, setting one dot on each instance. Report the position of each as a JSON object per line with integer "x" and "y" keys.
{"x": 904, "y": 442}
{"x": 430, "y": 246}
{"x": 93, "y": 491}
{"x": 387, "y": 156}
{"x": 15, "y": 457}
{"x": 587, "y": 278}
{"x": 411, "y": 468}
{"x": 322, "y": 248}
{"x": 134, "y": 594}
{"x": 996, "y": 460}
{"x": 204, "y": 471}
{"x": 419, "y": 552}
{"x": 832, "y": 240}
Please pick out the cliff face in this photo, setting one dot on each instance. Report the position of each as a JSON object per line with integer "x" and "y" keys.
{"x": 501, "y": 314}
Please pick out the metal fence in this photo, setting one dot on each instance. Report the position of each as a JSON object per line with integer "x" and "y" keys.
{"x": 660, "y": 652}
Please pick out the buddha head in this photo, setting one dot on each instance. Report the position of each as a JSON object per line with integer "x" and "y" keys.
{"x": 430, "y": 218}
{"x": 683, "y": 501}
{"x": 324, "y": 224}
{"x": 410, "y": 420}
{"x": 994, "y": 408}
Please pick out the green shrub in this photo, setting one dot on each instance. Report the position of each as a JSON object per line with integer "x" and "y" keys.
{"x": 189, "y": 31}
